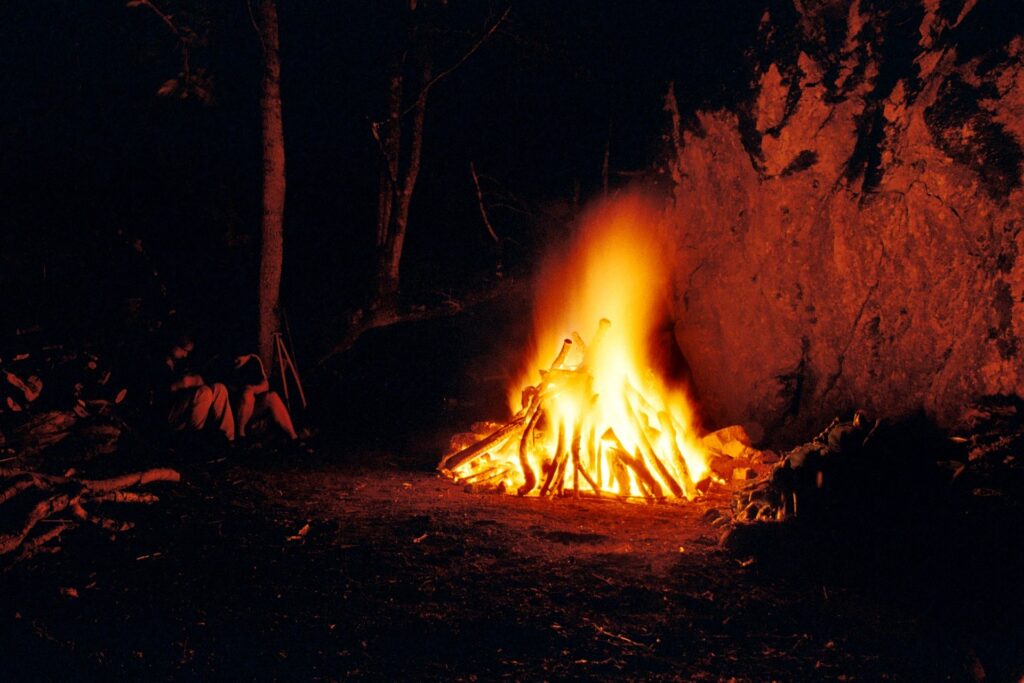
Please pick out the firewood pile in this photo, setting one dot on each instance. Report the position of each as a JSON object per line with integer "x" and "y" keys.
{"x": 38, "y": 507}
{"x": 53, "y": 395}
{"x": 60, "y": 411}
{"x": 796, "y": 484}
{"x": 851, "y": 466}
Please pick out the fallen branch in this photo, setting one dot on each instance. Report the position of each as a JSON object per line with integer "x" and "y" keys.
{"x": 135, "y": 479}
{"x": 103, "y": 522}
{"x": 41, "y": 510}
{"x": 469, "y": 53}
{"x": 73, "y": 495}
{"x": 483, "y": 208}
{"x": 125, "y": 497}
{"x": 16, "y": 488}
{"x": 37, "y": 544}
{"x": 385, "y": 317}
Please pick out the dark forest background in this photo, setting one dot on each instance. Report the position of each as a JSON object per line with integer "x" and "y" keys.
{"x": 105, "y": 183}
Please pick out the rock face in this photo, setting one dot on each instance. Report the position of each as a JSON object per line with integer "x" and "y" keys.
{"x": 850, "y": 235}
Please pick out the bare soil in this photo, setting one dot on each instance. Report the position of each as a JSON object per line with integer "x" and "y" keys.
{"x": 403, "y": 575}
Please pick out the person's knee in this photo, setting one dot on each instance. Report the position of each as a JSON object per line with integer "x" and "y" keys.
{"x": 203, "y": 394}
{"x": 219, "y": 392}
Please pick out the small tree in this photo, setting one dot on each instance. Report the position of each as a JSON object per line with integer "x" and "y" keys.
{"x": 400, "y": 143}
{"x": 272, "y": 225}
{"x": 195, "y": 83}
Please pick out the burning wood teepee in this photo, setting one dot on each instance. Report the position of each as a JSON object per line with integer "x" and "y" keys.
{"x": 597, "y": 420}
{"x": 585, "y": 429}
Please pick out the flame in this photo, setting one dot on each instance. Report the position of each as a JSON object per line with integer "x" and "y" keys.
{"x": 598, "y": 419}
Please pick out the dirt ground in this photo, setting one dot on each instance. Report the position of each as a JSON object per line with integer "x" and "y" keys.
{"x": 403, "y": 575}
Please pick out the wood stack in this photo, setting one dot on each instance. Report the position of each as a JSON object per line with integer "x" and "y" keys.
{"x": 588, "y": 458}
{"x": 40, "y": 507}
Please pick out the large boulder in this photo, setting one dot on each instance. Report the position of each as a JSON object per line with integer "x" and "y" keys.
{"x": 850, "y": 236}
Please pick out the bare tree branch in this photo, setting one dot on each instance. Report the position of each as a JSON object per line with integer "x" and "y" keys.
{"x": 168, "y": 21}
{"x": 480, "y": 201}
{"x": 462, "y": 60}
{"x": 363, "y": 323}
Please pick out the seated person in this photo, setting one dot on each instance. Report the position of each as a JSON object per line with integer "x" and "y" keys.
{"x": 192, "y": 403}
{"x": 254, "y": 397}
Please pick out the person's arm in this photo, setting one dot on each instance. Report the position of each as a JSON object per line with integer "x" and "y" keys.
{"x": 251, "y": 369}
{"x": 187, "y": 382}
{"x": 261, "y": 388}
{"x": 179, "y": 377}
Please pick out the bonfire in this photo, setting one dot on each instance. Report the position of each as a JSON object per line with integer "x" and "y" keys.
{"x": 598, "y": 419}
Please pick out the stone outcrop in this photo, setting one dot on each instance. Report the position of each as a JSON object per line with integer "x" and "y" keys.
{"x": 850, "y": 235}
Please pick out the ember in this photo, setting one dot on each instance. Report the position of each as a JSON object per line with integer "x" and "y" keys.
{"x": 598, "y": 420}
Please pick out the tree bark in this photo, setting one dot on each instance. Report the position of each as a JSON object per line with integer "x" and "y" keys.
{"x": 397, "y": 185}
{"x": 272, "y": 233}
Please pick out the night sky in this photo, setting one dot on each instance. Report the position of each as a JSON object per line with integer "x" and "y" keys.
{"x": 96, "y": 164}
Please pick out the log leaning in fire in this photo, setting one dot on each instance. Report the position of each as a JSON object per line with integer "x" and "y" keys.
{"x": 562, "y": 353}
{"x": 649, "y": 488}
{"x": 582, "y": 471}
{"x": 580, "y": 344}
{"x": 556, "y": 462}
{"x": 487, "y": 475}
{"x": 618, "y": 471}
{"x": 648, "y": 452}
{"x": 595, "y": 342}
{"x": 637, "y": 464}
{"x": 665, "y": 421}
{"x": 524, "y": 449}
{"x": 496, "y": 438}
{"x": 576, "y": 436}
{"x": 532, "y": 397}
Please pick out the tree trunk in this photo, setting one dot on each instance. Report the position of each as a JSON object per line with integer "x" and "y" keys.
{"x": 272, "y": 234}
{"x": 398, "y": 191}
{"x": 390, "y": 148}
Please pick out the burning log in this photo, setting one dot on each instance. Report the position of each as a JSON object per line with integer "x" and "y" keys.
{"x": 497, "y": 438}
{"x": 665, "y": 420}
{"x": 556, "y": 462}
{"x": 602, "y": 330}
{"x": 586, "y": 476}
{"x": 651, "y": 489}
{"x": 530, "y": 479}
{"x": 618, "y": 471}
{"x": 649, "y": 454}
{"x": 532, "y": 398}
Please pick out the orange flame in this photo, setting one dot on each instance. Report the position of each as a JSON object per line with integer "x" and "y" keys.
{"x": 599, "y": 419}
